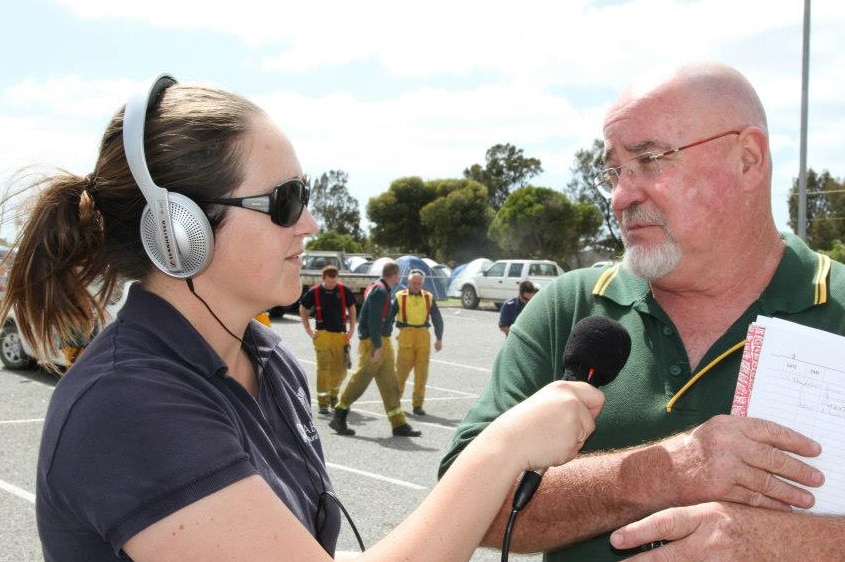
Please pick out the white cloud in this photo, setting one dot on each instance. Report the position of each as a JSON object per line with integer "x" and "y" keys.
{"x": 537, "y": 74}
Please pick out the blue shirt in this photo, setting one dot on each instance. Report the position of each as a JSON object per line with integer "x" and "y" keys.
{"x": 509, "y": 311}
{"x": 148, "y": 421}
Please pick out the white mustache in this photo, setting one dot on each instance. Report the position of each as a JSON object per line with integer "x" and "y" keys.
{"x": 637, "y": 215}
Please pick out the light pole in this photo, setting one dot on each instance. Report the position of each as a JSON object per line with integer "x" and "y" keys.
{"x": 802, "y": 165}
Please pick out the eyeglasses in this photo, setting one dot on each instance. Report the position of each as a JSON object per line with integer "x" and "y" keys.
{"x": 284, "y": 204}
{"x": 646, "y": 166}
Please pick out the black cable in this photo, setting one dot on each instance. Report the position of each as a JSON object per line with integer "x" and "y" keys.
{"x": 294, "y": 434}
{"x": 336, "y": 499}
{"x": 506, "y": 542}
{"x": 524, "y": 492}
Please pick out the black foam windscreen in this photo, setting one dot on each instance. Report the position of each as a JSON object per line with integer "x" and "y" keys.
{"x": 597, "y": 349}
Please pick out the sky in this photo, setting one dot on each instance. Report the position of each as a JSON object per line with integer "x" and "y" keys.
{"x": 384, "y": 89}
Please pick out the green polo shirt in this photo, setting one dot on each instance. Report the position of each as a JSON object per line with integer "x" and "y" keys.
{"x": 807, "y": 288}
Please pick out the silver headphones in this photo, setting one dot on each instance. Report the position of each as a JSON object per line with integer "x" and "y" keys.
{"x": 175, "y": 232}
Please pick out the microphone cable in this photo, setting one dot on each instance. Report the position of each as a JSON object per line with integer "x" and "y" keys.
{"x": 524, "y": 492}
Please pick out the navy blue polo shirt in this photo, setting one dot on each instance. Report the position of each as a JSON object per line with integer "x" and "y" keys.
{"x": 148, "y": 421}
{"x": 510, "y": 310}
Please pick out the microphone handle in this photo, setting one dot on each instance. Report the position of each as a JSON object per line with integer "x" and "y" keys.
{"x": 530, "y": 479}
{"x": 528, "y": 484}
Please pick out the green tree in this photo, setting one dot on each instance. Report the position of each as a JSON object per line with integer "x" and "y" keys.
{"x": 836, "y": 252}
{"x": 395, "y": 217}
{"x": 588, "y": 164}
{"x": 333, "y": 207}
{"x": 457, "y": 221}
{"x": 506, "y": 168}
{"x": 825, "y": 209}
{"x": 541, "y": 223}
{"x": 332, "y": 240}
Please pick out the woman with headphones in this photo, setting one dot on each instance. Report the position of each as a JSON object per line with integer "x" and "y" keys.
{"x": 184, "y": 432}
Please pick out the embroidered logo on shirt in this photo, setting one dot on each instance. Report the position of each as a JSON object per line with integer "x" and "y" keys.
{"x": 308, "y": 434}
{"x": 303, "y": 398}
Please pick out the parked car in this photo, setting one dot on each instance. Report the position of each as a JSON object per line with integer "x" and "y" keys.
{"x": 501, "y": 280}
{"x": 16, "y": 353}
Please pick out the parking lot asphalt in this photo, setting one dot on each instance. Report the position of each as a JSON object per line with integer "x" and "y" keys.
{"x": 379, "y": 478}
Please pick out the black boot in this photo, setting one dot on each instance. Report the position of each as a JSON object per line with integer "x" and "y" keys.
{"x": 405, "y": 430}
{"x": 338, "y": 422}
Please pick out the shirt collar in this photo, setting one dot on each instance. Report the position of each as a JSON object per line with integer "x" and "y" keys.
{"x": 173, "y": 330}
{"x": 800, "y": 281}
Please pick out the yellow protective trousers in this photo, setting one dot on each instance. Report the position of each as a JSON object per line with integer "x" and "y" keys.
{"x": 414, "y": 353}
{"x": 384, "y": 371}
{"x": 331, "y": 364}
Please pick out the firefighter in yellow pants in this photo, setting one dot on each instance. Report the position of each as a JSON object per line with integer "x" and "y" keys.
{"x": 334, "y": 309}
{"x": 383, "y": 370}
{"x": 375, "y": 359}
{"x": 416, "y": 311}
{"x": 331, "y": 366}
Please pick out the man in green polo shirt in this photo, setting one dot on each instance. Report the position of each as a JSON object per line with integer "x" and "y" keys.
{"x": 690, "y": 182}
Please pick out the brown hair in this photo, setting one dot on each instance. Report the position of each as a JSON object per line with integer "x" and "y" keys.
{"x": 330, "y": 271}
{"x": 85, "y": 229}
{"x": 390, "y": 268}
{"x": 526, "y": 287}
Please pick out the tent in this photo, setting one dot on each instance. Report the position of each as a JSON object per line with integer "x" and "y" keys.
{"x": 377, "y": 266}
{"x": 463, "y": 273}
{"x": 353, "y": 262}
{"x": 435, "y": 282}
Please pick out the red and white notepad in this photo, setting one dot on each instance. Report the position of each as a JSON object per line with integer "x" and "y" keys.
{"x": 795, "y": 376}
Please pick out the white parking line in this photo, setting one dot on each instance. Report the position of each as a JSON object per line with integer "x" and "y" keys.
{"x": 460, "y": 365}
{"x": 376, "y": 476}
{"x": 20, "y": 492}
{"x": 482, "y": 369}
{"x": 33, "y": 420}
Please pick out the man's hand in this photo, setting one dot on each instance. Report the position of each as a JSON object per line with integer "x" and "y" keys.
{"x": 438, "y": 345}
{"x": 743, "y": 460}
{"x": 377, "y": 352}
{"x": 705, "y": 532}
{"x": 729, "y": 532}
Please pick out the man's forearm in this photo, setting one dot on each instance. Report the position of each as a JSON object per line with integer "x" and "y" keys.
{"x": 593, "y": 494}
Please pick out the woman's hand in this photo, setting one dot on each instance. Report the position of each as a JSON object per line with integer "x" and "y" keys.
{"x": 550, "y": 427}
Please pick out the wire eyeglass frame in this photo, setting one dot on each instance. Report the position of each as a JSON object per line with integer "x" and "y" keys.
{"x": 646, "y": 165}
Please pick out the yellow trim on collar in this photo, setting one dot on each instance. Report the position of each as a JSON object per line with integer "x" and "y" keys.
{"x": 820, "y": 280}
{"x": 701, "y": 373}
{"x": 604, "y": 280}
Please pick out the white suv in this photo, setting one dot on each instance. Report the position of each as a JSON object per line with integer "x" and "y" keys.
{"x": 501, "y": 280}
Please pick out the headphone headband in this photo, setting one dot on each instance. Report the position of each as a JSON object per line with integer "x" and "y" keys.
{"x": 175, "y": 232}
{"x": 134, "y": 120}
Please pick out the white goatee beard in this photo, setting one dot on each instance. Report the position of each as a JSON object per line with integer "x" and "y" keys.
{"x": 649, "y": 263}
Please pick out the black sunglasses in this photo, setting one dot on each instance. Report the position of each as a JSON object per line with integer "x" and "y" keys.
{"x": 284, "y": 204}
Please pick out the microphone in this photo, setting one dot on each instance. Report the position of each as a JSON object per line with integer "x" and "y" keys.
{"x": 597, "y": 349}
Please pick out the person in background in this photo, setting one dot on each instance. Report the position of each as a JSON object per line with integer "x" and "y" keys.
{"x": 334, "y": 311}
{"x": 416, "y": 311}
{"x": 689, "y": 178}
{"x": 376, "y": 359}
{"x": 513, "y": 306}
{"x": 184, "y": 432}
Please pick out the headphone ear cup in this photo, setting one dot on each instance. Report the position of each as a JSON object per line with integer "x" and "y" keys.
{"x": 193, "y": 237}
